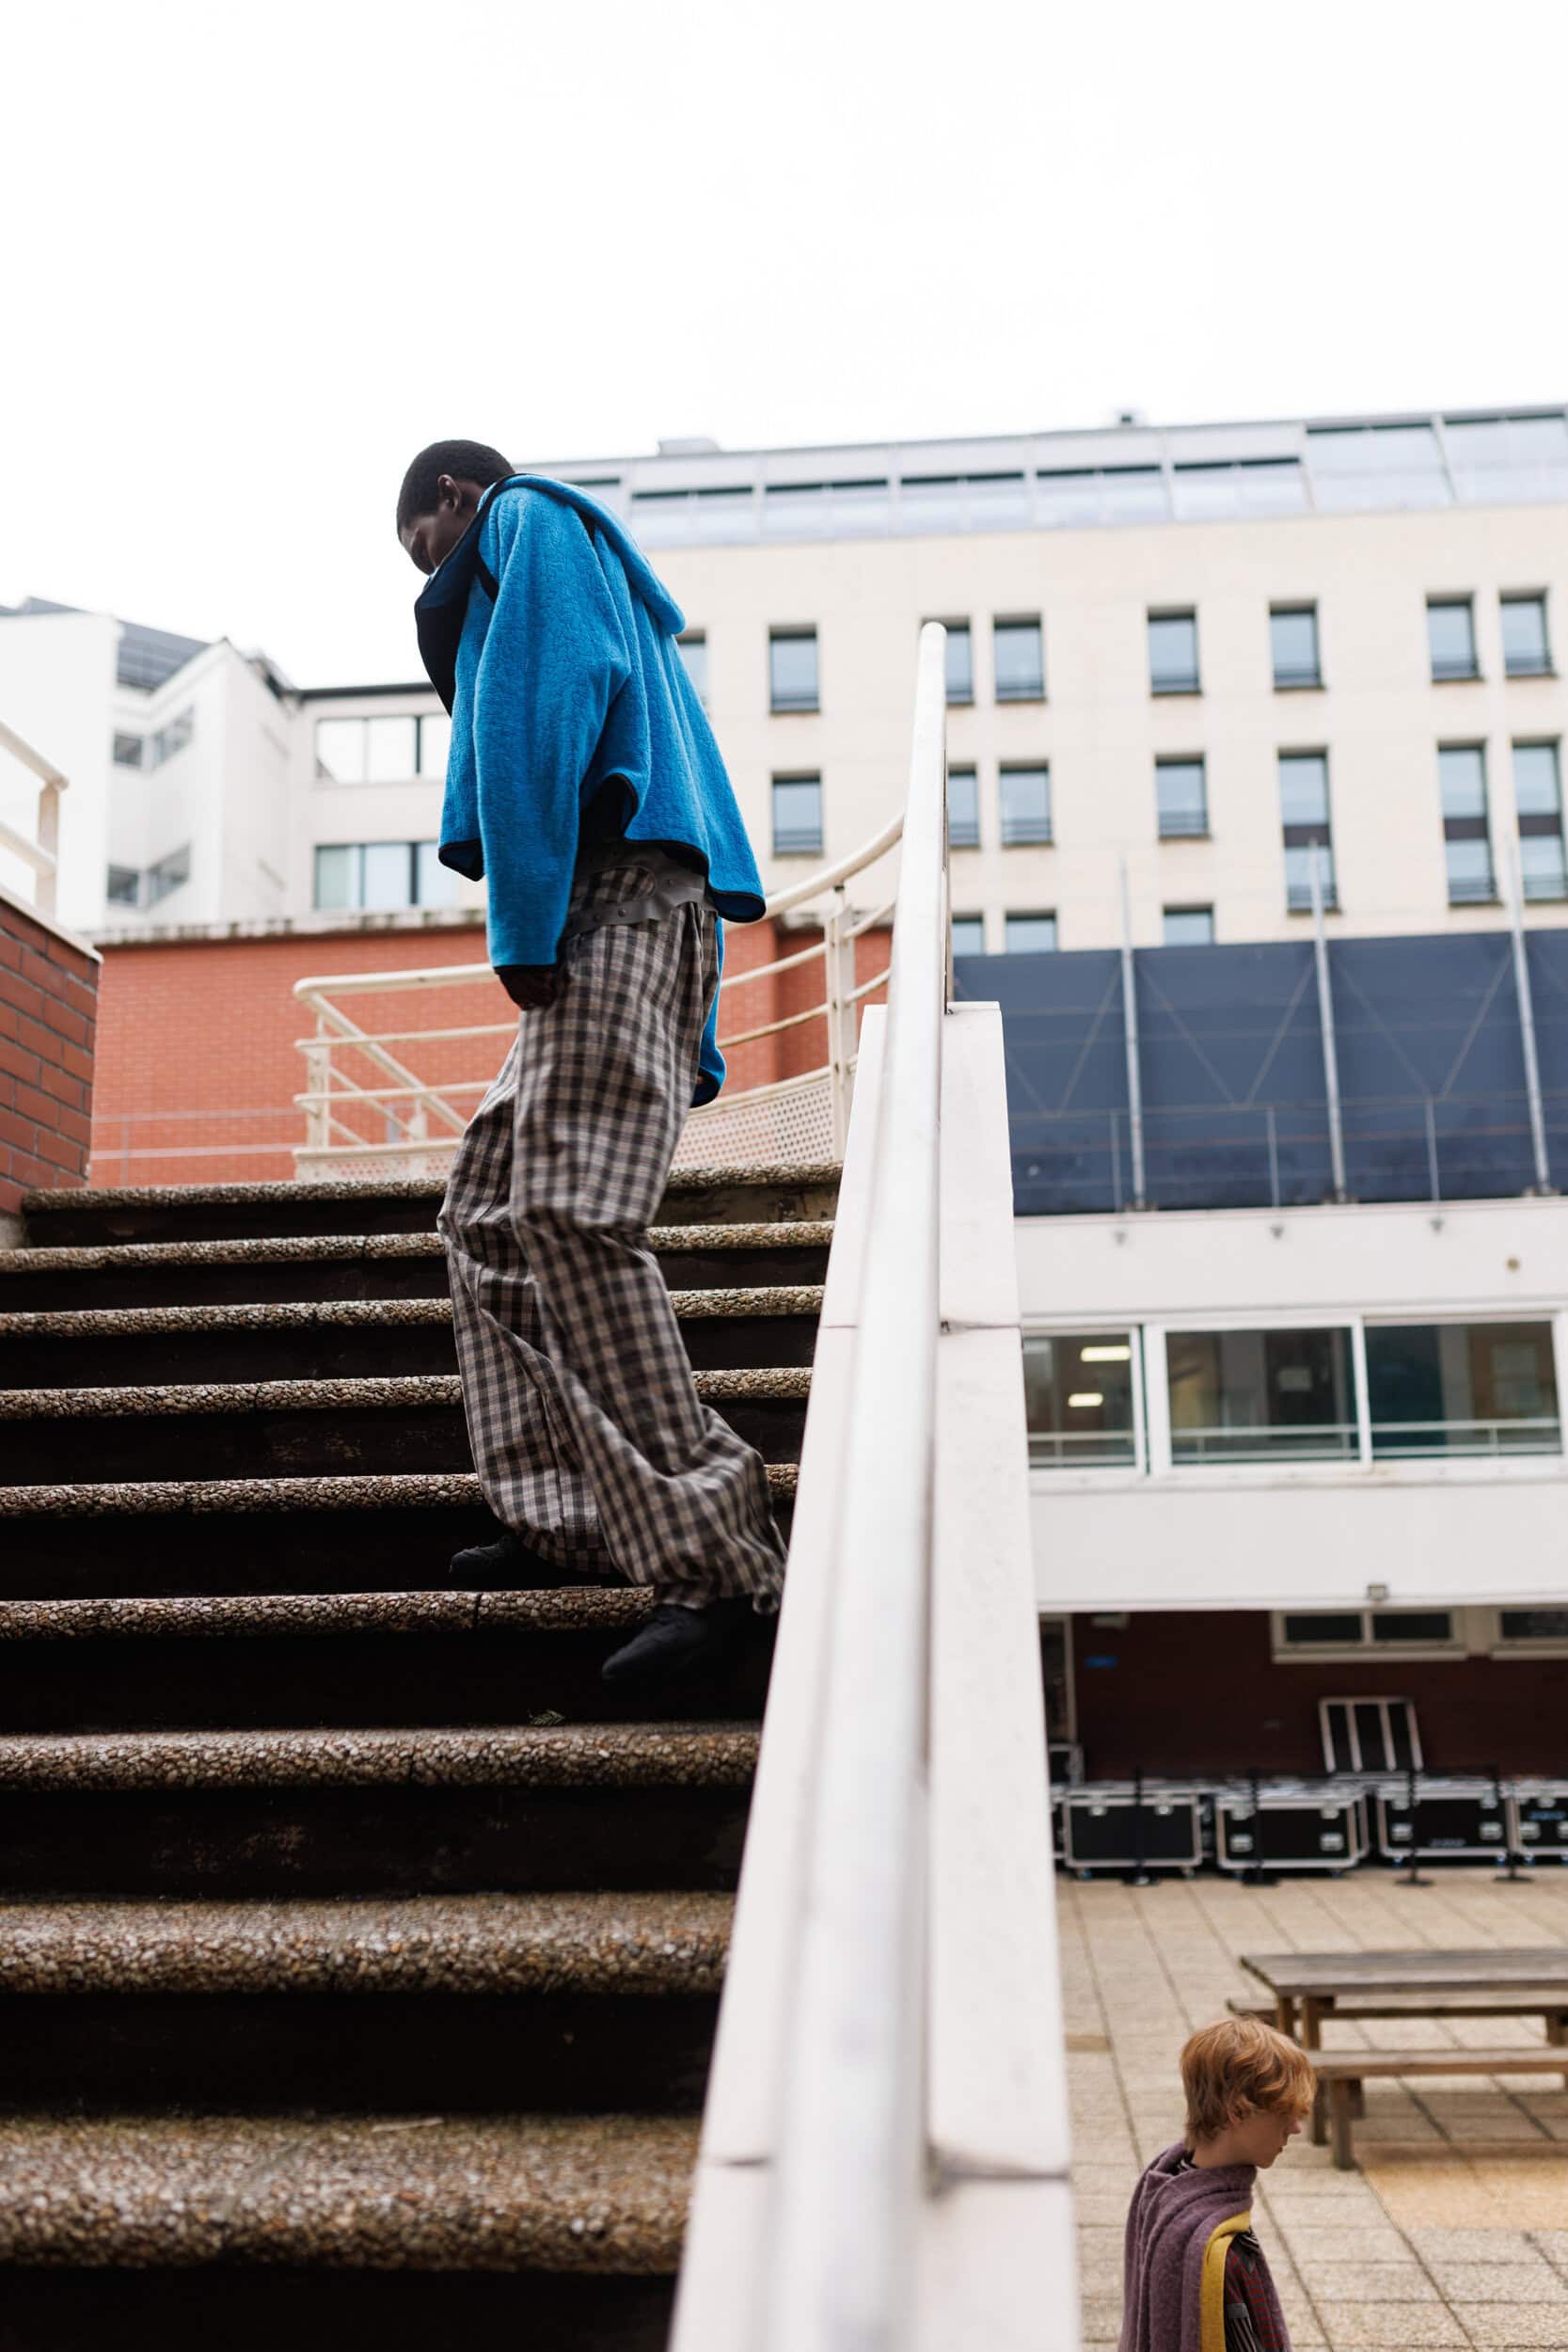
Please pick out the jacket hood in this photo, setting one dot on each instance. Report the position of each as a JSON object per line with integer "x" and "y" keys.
{"x": 443, "y": 600}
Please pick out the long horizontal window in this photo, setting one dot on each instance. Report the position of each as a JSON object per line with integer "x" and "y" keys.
{"x": 381, "y": 877}
{"x": 1462, "y": 1388}
{"x": 1368, "y": 1632}
{"x": 1261, "y": 1396}
{"x": 1078, "y": 1395}
{"x": 394, "y": 748}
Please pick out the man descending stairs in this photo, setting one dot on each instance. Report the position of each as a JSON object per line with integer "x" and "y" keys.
{"x": 359, "y": 1951}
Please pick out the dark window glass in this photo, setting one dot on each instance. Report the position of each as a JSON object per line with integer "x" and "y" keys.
{"x": 969, "y": 934}
{"x": 1463, "y": 1388}
{"x": 128, "y": 751}
{"x": 1466, "y": 842}
{"x": 1029, "y": 934}
{"x": 1259, "y": 1396}
{"x": 1304, "y": 805}
{"x": 1323, "y": 1630}
{"x": 1181, "y": 797}
{"x": 960, "y": 663}
{"x": 1025, "y": 794}
{"x": 797, "y": 816}
{"x": 1189, "y": 927}
{"x": 167, "y": 875}
{"x": 1451, "y": 636}
{"x": 1429, "y": 1626}
{"x": 1020, "y": 661}
{"x": 123, "y": 886}
{"x": 693, "y": 652}
{"x": 1533, "y": 1625}
{"x": 963, "y": 808}
{"x": 1293, "y": 640}
{"x": 1173, "y": 652}
{"x": 1078, "y": 1396}
{"x": 1538, "y": 798}
{"x": 792, "y": 669}
{"x": 1525, "y": 652}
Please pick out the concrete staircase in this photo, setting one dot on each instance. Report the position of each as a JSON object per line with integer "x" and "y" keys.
{"x": 359, "y": 1957}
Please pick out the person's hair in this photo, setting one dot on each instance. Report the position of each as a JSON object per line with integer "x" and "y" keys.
{"x": 1242, "y": 2064}
{"x": 466, "y": 461}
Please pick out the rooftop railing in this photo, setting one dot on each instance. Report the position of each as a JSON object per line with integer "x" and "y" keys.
{"x": 41, "y": 850}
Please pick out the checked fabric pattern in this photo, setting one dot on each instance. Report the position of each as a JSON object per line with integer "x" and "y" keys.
{"x": 588, "y": 1437}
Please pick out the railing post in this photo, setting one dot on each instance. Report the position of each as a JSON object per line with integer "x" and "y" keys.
{"x": 1325, "y": 1021}
{"x": 1526, "y": 1024}
{"x": 318, "y": 1080}
{"x": 839, "y": 977}
{"x": 1130, "y": 1043}
{"x": 49, "y": 842}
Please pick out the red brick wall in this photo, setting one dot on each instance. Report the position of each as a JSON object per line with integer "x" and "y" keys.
{"x": 198, "y": 1064}
{"x": 1197, "y": 1692}
{"x": 48, "y": 1006}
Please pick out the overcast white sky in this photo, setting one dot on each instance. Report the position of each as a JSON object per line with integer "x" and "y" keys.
{"x": 253, "y": 258}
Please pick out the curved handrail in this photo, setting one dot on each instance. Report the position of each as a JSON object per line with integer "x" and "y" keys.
{"x": 828, "y": 877}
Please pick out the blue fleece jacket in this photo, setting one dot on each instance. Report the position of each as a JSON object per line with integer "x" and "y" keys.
{"x": 553, "y": 643}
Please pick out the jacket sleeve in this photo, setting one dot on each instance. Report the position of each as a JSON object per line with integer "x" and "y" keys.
{"x": 553, "y": 661}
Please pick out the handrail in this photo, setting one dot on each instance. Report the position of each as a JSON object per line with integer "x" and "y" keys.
{"x": 850, "y": 2145}
{"x": 43, "y": 856}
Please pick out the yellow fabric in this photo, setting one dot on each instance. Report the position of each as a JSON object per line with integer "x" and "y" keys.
{"x": 1212, "y": 2309}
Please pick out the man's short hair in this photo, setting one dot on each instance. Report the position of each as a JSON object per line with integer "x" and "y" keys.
{"x": 1242, "y": 2065}
{"x": 466, "y": 461}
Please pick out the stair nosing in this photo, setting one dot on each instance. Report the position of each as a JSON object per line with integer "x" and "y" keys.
{"x": 85, "y": 1258}
{"x": 690, "y": 1306}
{"x": 774, "y": 1383}
{"x": 152, "y": 1496}
{"x": 770, "y": 1175}
{"x": 262, "y": 1617}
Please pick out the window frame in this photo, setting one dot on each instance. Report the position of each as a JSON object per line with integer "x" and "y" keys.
{"x": 806, "y": 775}
{"x": 1546, "y": 667}
{"x": 983, "y": 948}
{"x": 1059, "y": 1327}
{"x": 1189, "y": 682}
{"x": 965, "y": 841}
{"x": 793, "y": 705}
{"x": 1449, "y": 676}
{"x": 1030, "y": 914}
{"x": 1009, "y": 837}
{"x": 1034, "y": 692}
{"x": 1282, "y": 1652}
{"x": 963, "y": 700}
{"x": 1182, "y": 832}
{"x": 1300, "y": 835}
{"x": 694, "y": 638}
{"x": 1470, "y": 829}
{"x": 1166, "y": 913}
{"x": 1297, "y": 684}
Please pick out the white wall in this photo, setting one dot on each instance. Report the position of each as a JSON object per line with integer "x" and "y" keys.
{"x": 1308, "y": 1534}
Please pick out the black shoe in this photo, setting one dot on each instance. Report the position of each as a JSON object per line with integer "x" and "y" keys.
{"x": 507, "y": 1566}
{"x": 678, "y": 1646}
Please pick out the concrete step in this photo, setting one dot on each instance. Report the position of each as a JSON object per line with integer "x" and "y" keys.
{"x": 261, "y": 1272}
{"x": 165, "y": 1213}
{"x": 561, "y": 2207}
{"x": 471, "y": 2004}
{"x": 275, "y": 1660}
{"x": 350, "y": 1339}
{"x": 304, "y": 1428}
{"x": 146, "y": 1536}
{"x": 565, "y": 1808}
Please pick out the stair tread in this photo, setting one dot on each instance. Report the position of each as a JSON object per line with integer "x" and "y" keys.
{"x": 409, "y": 1490}
{"x": 596, "y": 2193}
{"x": 790, "y": 1175}
{"x": 333, "y": 1248}
{"x": 627, "y": 1756}
{"x": 478, "y": 1944}
{"x": 396, "y": 1391}
{"x": 567, "y": 1608}
{"x": 797, "y": 1299}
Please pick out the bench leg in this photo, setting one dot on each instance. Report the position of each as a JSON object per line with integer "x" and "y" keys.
{"x": 1320, "y": 2116}
{"x": 1339, "y": 2091}
{"x": 1557, "y": 2033}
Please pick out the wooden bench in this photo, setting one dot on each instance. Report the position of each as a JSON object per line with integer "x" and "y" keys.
{"x": 1341, "y": 2072}
{"x": 1425, "y": 2004}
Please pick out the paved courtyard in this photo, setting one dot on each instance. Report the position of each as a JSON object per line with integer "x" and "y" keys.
{"x": 1454, "y": 2229}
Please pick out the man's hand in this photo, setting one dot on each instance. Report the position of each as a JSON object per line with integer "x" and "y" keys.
{"x": 531, "y": 985}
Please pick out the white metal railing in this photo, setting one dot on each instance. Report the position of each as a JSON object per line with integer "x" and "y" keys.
{"x": 42, "y": 852}
{"x": 356, "y": 1085}
{"x": 885, "y": 2152}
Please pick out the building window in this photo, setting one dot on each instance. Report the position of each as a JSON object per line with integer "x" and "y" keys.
{"x": 1462, "y": 1388}
{"x": 1451, "y": 636}
{"x": 435, "y": 744}
{"x": 963, "y": 810}
{"x": 130, "y": 750}
{"x": 167, "y": 875}
{"x": 1304, "y": 807}
{"x": 1498, "y": 459}
{"x": 393, "y": 747}
{"x": 1466, "y": 836}
{"x": 1078, "y": 1399}
{"x": 169, "y": 740}
{"x": 123, "y": 886}
{"x": 797, "y": 816}
{"x": 1261, "y": 1396}
{"x": 1526, "y": 651}
{"x": 1531, "y": 1630}
{"x": 1538, "y": 798}
{"x": 1181, "y": 798}
{"x": 960, "y": 663}
{"x": 1029, "y": 934}
{"x": 969, "y": 935}
{"x": 692, "y": 648}
{"x": 1025, "y": 794}
{"x": 381, "y": 877}
{"x": 792, "y": 669}
{"x": 1357, "y": 467}
{"x": 1020, "y": 661}
{"x": 1189, "y": 927}
{"x": 1344, "y": 1632}
{"x": 1294, "y": 642}
{"x": 1173, "y": 652}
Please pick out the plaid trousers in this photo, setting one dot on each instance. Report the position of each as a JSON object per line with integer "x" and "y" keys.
{"x": 588, "y": 1437}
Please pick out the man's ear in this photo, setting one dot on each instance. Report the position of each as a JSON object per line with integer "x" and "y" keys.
{"x": 448, "y": 492}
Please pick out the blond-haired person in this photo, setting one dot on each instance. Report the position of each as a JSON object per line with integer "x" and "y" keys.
{"x": 1196, "y": 2278}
